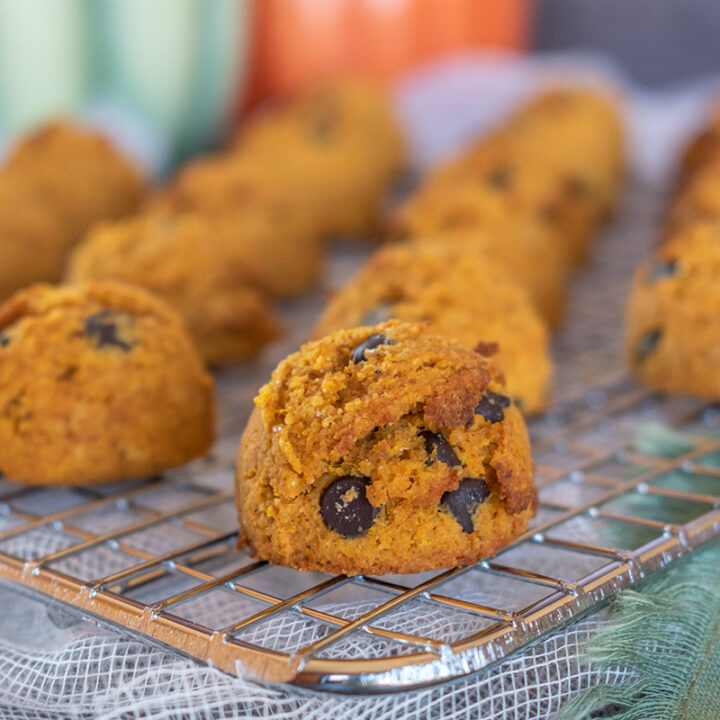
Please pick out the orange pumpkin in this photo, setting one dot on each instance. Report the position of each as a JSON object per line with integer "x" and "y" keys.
{"x": 297, "y": 42}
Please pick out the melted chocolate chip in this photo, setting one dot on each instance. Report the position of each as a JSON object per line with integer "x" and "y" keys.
{"x": 500, "y": 178}
{"x": 101, "y": 328}
{"x": 377, "y": 315}
{"x": 647, "y": 344}
{"x": 344, "y": 506}
{"x": 438, "y": 448}
{"x": 463, "y": 502}
{"x": 662, "y": 270}
{"x": 492, "y": 406}
{"x": 374, "y": 341}
{"x": 4, "y": 340}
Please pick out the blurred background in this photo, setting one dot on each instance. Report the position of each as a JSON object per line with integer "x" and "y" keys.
{"x": 173, "y": 75}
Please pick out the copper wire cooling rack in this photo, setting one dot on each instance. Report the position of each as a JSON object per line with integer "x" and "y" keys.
{"x": 157, "y": 557}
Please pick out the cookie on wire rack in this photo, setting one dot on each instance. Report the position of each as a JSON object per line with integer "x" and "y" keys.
{"x": 98, "y": 382}
{"x": 672, "y": 337}
{"x": 560, "y": 158}
{"x": 383, "y": 449}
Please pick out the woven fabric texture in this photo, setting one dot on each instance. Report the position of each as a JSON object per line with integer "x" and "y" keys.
{"x": 51, "y": 665}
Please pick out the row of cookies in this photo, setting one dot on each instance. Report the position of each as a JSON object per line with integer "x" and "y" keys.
{"x": 671, "y": 339}
{"x": 489, "y": 238}
{"x": 233, "y": 231}
{"x": 391, "y": 443}
{"x": 102, "y": 378}
{"x": 533, "y": 192}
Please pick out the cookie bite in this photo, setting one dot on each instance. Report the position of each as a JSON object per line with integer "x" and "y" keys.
{"x": 464, "y": 295}
{"x": 672, "y": 339}
{"x": 227, "y": 184}
{"x": 559, "y": 159}
{"x": 98, "y": 382}
{"x": 204, "y": 266}
{"x": 340, "y": 112}
{"x": 383, "y": 449}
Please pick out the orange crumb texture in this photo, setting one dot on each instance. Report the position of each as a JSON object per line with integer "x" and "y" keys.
{"x": 384, "y": 449}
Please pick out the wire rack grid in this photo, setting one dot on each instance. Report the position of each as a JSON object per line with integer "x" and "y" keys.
{"x": 158, "y": 557}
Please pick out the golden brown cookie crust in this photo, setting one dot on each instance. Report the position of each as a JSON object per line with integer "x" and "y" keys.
{"x": 342, "y": 148}
{"x": 491, "y": 224}
{"x": 98, "y": 382}
{"x": 324, "y": 417}
{"x": 83, "y": 177}
{"x": 671, "y": 336}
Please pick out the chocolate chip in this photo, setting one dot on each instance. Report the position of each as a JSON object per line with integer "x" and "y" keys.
{"x": 500, "y": 178}
{"x": 4, "y": 340}
{"x": 68, "y": 374}
{"x": 324, "y": 124}
{"x": 377, "y": 315}
{"x": 647, "y": 344}
{"x": 664, "y": 269}
{"x": 344, "y": 506}
{"x": 576, "y": 187}
{"x": 550, "y": 213}
{"x": 463, "y": 502}
{"x": 437, "y": 445}
{"x": 374, "y": 341}
{"x": 492, "y": 406}
{"x": 102, "y": 328}
{"x": 487, "y": 349}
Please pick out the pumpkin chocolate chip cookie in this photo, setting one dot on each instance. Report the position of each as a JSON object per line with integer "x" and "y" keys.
{"x": 490, "y": 223}
{"x": 98, "y": 382}
{"x": 384, "y": 449}
{"x": 671, "y": 337}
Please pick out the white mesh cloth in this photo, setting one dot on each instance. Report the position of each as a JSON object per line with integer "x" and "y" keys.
{"x": 54, "y": 665}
